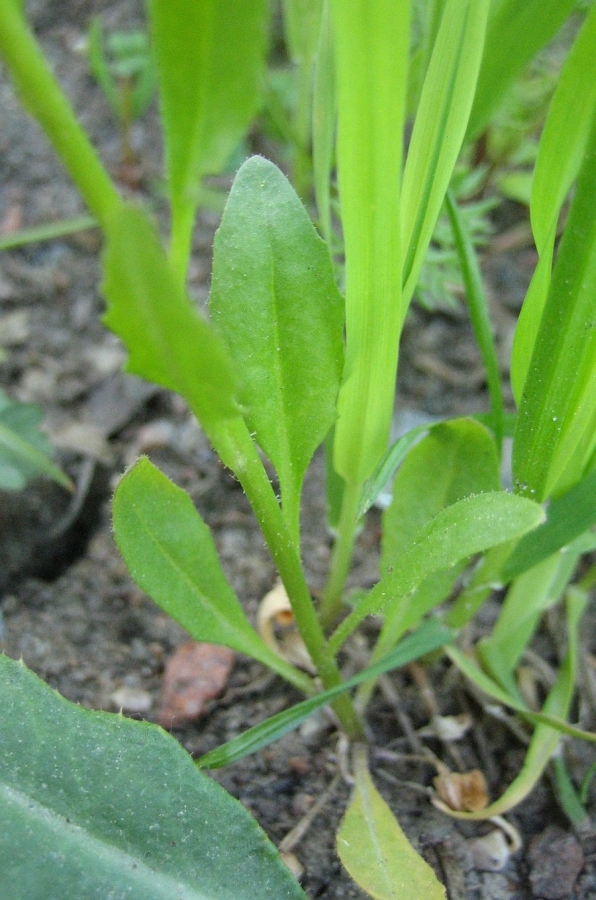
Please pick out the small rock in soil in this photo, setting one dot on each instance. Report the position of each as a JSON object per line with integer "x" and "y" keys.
{"x": 195, "y": 674}
{"x": 556, "y": 859}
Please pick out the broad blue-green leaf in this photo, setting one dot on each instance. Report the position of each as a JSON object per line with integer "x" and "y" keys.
{"x": 556, "y": 427}
{"x": 171, "y": 555}
{"x": 517, "y": 30}
{"x": 430, "y": 636}
{"x": 210, "y": 58}
{"x": 168, "y": 341}
{"x": 371, "y": 40}
{"x": 560, "y": 153}
{"x": 24, "y": 449}
{"x": 568, "y": 516}
{"x": 275, "y": 304}
{"x": 374, "y": 849}
{"x": 546, "y": 736}
{"x": 467, "y": 527}
{"x": 439, "y": 129}
{"x": 95, "y": 806}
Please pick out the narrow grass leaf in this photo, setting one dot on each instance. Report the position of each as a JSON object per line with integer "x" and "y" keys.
{"x": 371, "y": 40}
{"x": 546, "y": 736}
{"x": 568, "y": 516}
{"x": 463, "y": 529}
{"x": 324, "y": 116}
{"x": 168, "y": 341}
{"x": 171, "y": 555}
{"x": 439, "y": 129}
{"x": 275, "y": 304}
{"x": 24, "y": 449}
{"x": 479, "y": 313}
{"x": 517, "y": 30}
{"x": 376, "y": 852}
{"x": 388, "y": 466}
{"x": 96, "y": 805}
{"x": 430, "y": 636}
{"x": 210, "y": 59}
{"x": 558, "y": 408}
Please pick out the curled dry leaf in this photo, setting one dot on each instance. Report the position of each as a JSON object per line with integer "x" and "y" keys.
{"x": 462, "y": 791}
{"x": 195, "y": 674}
{"x": 277, "y": 627}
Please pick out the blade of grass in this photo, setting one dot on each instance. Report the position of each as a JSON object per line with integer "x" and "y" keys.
{"x": 48, "y": 232}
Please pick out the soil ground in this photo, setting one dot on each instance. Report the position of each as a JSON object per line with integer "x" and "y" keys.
{"x": 72, "y": 612}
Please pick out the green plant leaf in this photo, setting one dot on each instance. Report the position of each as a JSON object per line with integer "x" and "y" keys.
{"x": 439, "y": 129}
{"x": 371, "y": 40}
{"x": 568, "y": 516}
{"x": 457, "y": 532}
{"x": 546, "y": 736}
{"x": 168, "y": 341}
{"x": 95, "y": 805}
{"x": 517, "y": 30}
{"x": 210, "y": 58}
{"x": 376, "y": 852}
{"x": 171, "y": 555}
{"x": 24, "y": 449}
{"x": 388, "y": 466}
{"x": 556, "y": 427}
{"x": 324, "y": 114}
{"x": 430, "y": 636}
{"x": 275, "y": 304}
{"x": 562, "y": 146}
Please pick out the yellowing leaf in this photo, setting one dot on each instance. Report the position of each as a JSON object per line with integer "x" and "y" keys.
{"x": 376, "y": 852}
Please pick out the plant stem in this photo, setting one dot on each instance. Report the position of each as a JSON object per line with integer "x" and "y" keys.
{"x": 342, "y": 555}
{"x": 43, "y": 97}
{"x": 236, "y": 442}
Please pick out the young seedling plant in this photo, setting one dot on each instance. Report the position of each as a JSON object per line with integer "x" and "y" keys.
{"x": 286, "y": 362}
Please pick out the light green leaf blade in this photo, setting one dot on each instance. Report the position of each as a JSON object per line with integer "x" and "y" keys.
{"x": 439, "y": 129}
{"x": 371, "y": 40}
{"x": 168, "y": 341}
{"x": 171, "y": 555}
{"x": 95, "y": 805}
{"x": 24, "y": 449}
{"x": 324, "y": 113}
{"x": 388, "y": 466}
{"x": 457, "y": 532}
{"x": 275, "y": 304}
{"x": 517, "y": 30}
{"x": 556, "y": 433}
{"x": 430, "y": 636}
{"x": 376, "y": 852}
{"x": 210, "y": 58}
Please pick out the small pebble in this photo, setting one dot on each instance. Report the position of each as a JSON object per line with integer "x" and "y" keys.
{"x": 556, "y": 859}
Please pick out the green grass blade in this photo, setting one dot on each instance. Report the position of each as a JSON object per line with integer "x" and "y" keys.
{"x": 324, "y": 115}
{"x": 479, "y": 313}
{"x": 24, "y": 450}
{"x": 48, "y": 232}
{"x": 517, "y": 30}
{"x": 275, "y": 304}
{"x": 430, "y": 636}
{"x": 568, "y": 516}
{"x": 439, "y": 129}
{"x": 388, "y": 466}
{"x": 371, "y": 49}
{"x": 210, "y": 59}
{"x": 96, "y": 805}
{"x": 467, "y": 527}
{"x": 374, "y": 849}
{"x": 558, "y": 409}
{"x": 171, "y": 555}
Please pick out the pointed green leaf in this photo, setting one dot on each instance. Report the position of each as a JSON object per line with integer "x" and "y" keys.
{"x": 95, "y": 806}
{"x": 376, "y": 852}
{"x": 24, "y": 449}
{"x": 556, "y": 427}
{"x": 439, "y": 129}
{"x": 457, "y": 532}
{"x": 388, "y": 466}
{"x": 210, "y": 58}
{"x": 430, "y": 636}
{"x": 275, "y": 304}
{"x": 324, "y": 113}
{"x": 168, "y": 341}
{"x": 371, "y": 40}
{"x": 171, "y": 555}
{"x": 517, "y": 30}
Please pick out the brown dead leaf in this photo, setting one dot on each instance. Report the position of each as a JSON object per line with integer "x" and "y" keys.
{"x": 462, "y": 791}
{"x": 277, "y": 627}
{"x": 194, "y": 675}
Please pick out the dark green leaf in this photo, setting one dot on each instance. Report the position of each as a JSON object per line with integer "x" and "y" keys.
{"x": 275, "y": 304}
{"x": 95, "y": 806}
{"x": 24, "y": 449}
